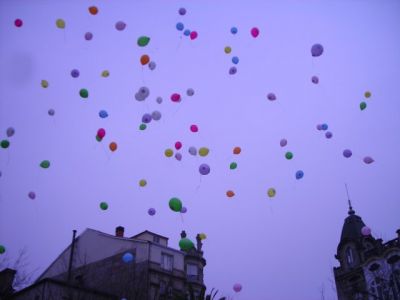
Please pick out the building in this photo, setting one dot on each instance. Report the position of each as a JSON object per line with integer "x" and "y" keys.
{"x": 369, "y": 268}
{"x": 103, "y": 266}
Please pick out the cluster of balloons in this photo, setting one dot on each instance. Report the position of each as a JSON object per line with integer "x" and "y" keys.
{"x": 6, "y": 143}
{"x": 324, "y": 127}
{"x": 142, "y": 93}
{"x": 363, "y": 104}
{"x": 180, "y": 26}
{"x": 347, "y": 153}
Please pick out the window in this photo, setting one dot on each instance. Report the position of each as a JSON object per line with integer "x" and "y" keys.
{"x": 156, "y": 239}
{"x": 192, "y": 271}
{"x": 350, "y": 256}
{"x": 167, "y": 261}
{"x": 163, "y": 284}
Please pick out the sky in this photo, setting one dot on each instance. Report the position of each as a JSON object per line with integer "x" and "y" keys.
{"x": 277, "y": 247}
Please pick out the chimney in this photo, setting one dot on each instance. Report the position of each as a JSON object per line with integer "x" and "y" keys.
{"x": 6, "y": 280}
{"x": 119, "y": 231}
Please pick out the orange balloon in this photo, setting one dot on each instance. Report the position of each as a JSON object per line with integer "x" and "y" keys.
{"x": 93, "y": 10}
{"x": 113, "y": 146}
{"x": 230, "y": 194}
{"x": 144, "y": 59}
{"x": 236, "y": 150}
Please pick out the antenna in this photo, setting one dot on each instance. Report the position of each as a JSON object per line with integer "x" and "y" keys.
{"x": 351, "y": 211}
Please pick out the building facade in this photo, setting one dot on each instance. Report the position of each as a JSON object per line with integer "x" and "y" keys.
{"x": 369, "y": 268}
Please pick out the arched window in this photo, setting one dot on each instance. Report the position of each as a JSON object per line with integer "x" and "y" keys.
{"x": 349, "y": 256}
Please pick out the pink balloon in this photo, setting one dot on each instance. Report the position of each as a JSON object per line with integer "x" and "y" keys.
{"x": 237, "y": 287}
{"x": 178, "y": 145}
{"x": 193, "y": 35}
{"x": 175, "y": 97}
{"x": 18, "y": 22}
{"x": 101, "y": 133}
{"x": 365, "y": 231}
{"x": 255, "y": 32}
{"x": 283, "y": 142}
{"x": 194, "y": 128}
{"x": 178, "y": 156}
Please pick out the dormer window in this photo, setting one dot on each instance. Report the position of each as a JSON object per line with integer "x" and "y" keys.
{"x": 350, "y": 256}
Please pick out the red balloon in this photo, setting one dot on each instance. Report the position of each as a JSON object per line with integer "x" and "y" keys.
{"x": 194, "y": 128}
{"x": 101, "y": 133}
{"x": 175, "y": 97}
{"x": 18, "y": 22}
{"x": 178, "y": 145}
{"x": 193, "y": 35}
{"x": 255, "y": 32}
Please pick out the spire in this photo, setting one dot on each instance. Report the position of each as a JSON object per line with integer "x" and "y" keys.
{"x": 351, "y": 211}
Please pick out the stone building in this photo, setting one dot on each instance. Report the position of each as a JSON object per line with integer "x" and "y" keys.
{"x": 104, "y": 266}
{"x": 369, "y": 268}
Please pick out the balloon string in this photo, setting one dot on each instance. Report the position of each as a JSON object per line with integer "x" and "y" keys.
{"x": 182, "y": 218}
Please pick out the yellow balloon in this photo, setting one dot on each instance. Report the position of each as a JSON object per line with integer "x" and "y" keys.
{"x": 271, "y": 192}
{"x": 44, "y": 83}
{"x": 105, "y": 73}
{"x": 202, "y": 236}
{"x": 367, "y": 94}
{"x": 228, "y": 49}
{"x": 142, "y": 182}
{"x": 60, "y": 23}
{"x": 169, "y": 152}
{"x": 203, "y": 151}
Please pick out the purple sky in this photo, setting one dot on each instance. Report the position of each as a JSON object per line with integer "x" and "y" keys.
{"x": 277, "y": 248}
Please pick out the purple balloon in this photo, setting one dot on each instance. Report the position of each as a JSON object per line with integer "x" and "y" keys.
{"x": 120, "y": 25}
{"x": 151, "y": 211}
{"x": 237, "y": 287}
{"x": 368, "y": 160}
{"x": 183, "y": 210}
{"x": 271, "y": 96}
{"x": 315, "y": 79}
{"x": 347, "y": 153}
{"x": 88, "y": 36}
{"x": 328, "y": 134}
{"x": 193, "y": 150}
{"x": 319, "y": 126}
{"x": 75, "y": 73}
{"x": 204, "y": 169}
{"x": 146, "y": 118}
{"x": 283, "y": 142}
{"x": 317, "y": 50}
{"x": 182, "y": 11}
{"x": 178, "y": 156}
{"x": 232, "y": 70}
{"x": 32, "y": 195}
{"x": 365, "y": 231}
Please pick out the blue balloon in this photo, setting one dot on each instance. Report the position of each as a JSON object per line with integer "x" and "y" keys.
{"x": 235, "y": 60}
{"x": 103, "y": 114}
{"x": 128, "y": 257}
{"x": 299, "y": 174}
{"x": 324, "y": 126}
{"x": 179, "y": 26}
{"x": 234, "y": 30}
{"x": 186, "y": 32}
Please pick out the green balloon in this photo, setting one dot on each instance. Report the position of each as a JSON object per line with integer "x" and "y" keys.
{"x": 98, "y": 138}
{"x": 45, "y": 164}
{"x": 84, "y": 93}
{"x": 103, "y": 205}
{"x": 5, "y": 144}
{"x": 142, "y": 126}
{"x": 289, "y": 155}
{"x": 143, "y": 41}
{"x": 186, "y": 244}
{"x": 2, "y": 249}
{"x": 233, "y": 165}
{"x": 363, "y": 105}
{"x": 175, "y": 204}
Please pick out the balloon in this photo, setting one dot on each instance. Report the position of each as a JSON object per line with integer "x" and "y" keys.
{"x": 103, "y": 205}
{"x": 180, "y": 26}
{"x": 185, "y": 244}
{"x": 289, "y": 155}
{"x": 368, "y": 160}
{"x": 2, "y": 249}
{"x": 45, "y": 164}
{"x": 363, "y": 105}
{"x": 5, "y": 144}
{"x": 60, "y": 23}
{"x": 255, "y": 32}
{"x": 93, "y": 10}
{"x": 234, "y": 30}
{"x": 103, "y": 114}
{"x": 190, "y": 92}
{"x": 146, "y": 118}
{"x": 315, "y": 79}
{"x": 186, "y": 32}
{"x": 183, "y": 210}
{"x": 18, "y": 22}
{"x": 44, "y": 83}
{"x": 193, "y": 35}
{"x": 120, "y": 25}
{"x": 142, "y": 126}
{"x": 233, "y": 166}
{"x": 328, "y": 134}
{"x": 143, "y": 41}
{"x": 101, "y": 133}
{"x": 178, "y": 156}
{"x": 105, "y": 73}
{"x": 144, "y": 59}
{"x": 235, "y": 60}
{"x": 178, "y": 145}
{"x": 237, "y": 287}
{"x": 283, "y": 142}
{"x": 182, "y": 11}
{"x": 113, "y": 146}
{"x": 317, "y": 50}
{"x": 203, "y": 151}
{"x": 194, "y": 128}
{"x": 156, "y": 115}
{"x": 32, "y": 195}
{"x": 271, "y": 192}
{"x": 202, "y": 236}
{"x": 230, "y": 193}
{"x": 10, "y": 131}
{"x": 152, "y": 65}
{"x": 367, "y": 94}
{"x": 324, "y": 126}
{"x": 347, "y": 153}
{"x": 237, "y": 150}
{"x": 227, "y": 49}
{"x": 51, "y": 112}
{"x": 175, "y": 97}
{"x": 127, "y": 257}
{"x": 175, "y": 204}
{"x": 151, "y": 211}
{"x": 319, "y": 126}
{"x": 168, "y": 152}
{"x": 88, "y": 36}
{"x": 192, "y": 150}
{"x": 99, "y": 139}
{"x": 159, "y": 100}
{"x": 365, "y": 231}
{"x": 142, "y": 182}
{"x": 271, "y": 96}
{"x": 299, "y": 174}
{"x": 75, "y": 73}
{"x": 142, "y": 94}
{"x": 232, "y": 70}
{"x": 204, "y": 169}
{"x": 84, "y": 93}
